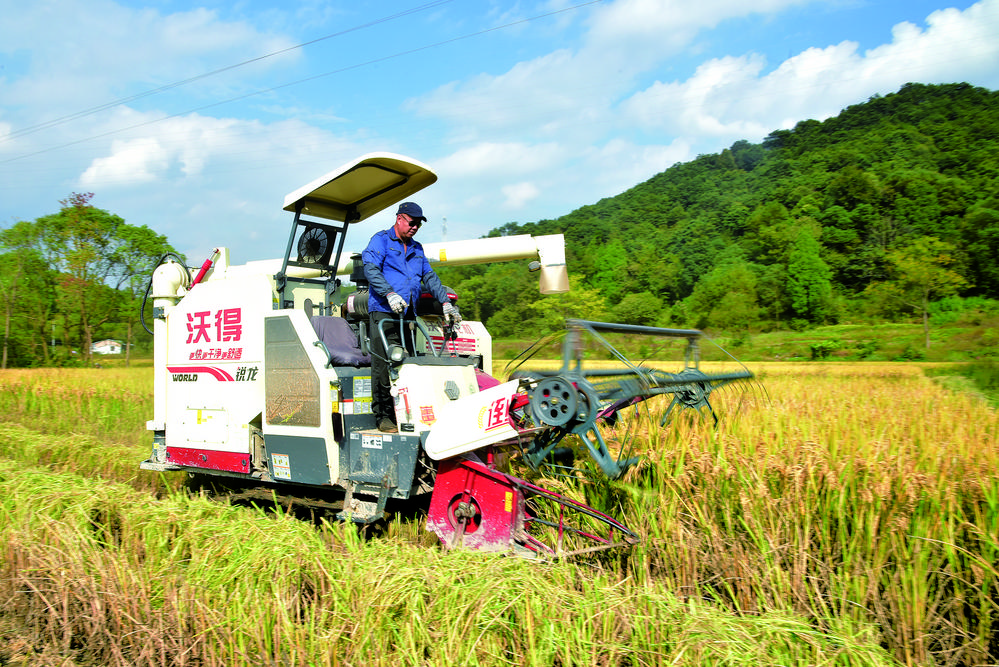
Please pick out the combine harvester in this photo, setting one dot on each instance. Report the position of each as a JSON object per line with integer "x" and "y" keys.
{"x": 263, "y": 384}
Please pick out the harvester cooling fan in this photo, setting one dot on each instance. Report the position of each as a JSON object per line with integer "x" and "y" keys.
{"x": 314, "y": 246}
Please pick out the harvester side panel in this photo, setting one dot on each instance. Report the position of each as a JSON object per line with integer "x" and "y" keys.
{"x": 298, "y": 407}
{"x": 377, "y": 459}
{"x": 427, "y": 384}
{"x": 474, "y": 421}
{"x": 299, "y": 459}
{"x": 214, "y": 381}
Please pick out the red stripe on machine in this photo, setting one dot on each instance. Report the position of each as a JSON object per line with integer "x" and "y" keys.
{"x": 460, "y": 344}
{"x": 217, "y": 373}
{"x": 210, "y": 459}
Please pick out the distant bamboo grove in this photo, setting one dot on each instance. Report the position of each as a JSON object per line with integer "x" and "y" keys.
{"x": 840, "y": 514}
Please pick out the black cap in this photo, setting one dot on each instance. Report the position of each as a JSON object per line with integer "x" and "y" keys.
{"x": 411, "y": 209}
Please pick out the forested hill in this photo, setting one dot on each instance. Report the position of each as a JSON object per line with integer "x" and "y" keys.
{"x": 887, "y": 207}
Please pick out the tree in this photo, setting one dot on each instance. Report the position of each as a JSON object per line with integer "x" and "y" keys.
{"x": 611, "y": 269}
{"x": 726, "y": 297}
{"x": 920, "y": 273}
{"x": 487, "y": 291}
{"x": 747, "y": 155}
{"x": 772, "y": 290}
{"x": 808, "y": 278}
{"x": 920, "y": 162}
{"x": 95, "y": 253}
{"x": 982, "y": 235}
{"x": 20, "y": 261}
{"x": 638, "y": 308}
{"x": 852, "y": 187}
{"x": 551, "y": 312}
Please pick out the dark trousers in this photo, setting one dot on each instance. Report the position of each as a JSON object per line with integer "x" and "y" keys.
{"x": 382, "y": 404}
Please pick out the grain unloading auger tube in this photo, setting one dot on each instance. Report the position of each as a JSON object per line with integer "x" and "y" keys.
{"x": 536, "y": 414}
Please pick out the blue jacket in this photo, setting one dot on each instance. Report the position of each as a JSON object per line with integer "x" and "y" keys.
{"x": 387, "y": 270}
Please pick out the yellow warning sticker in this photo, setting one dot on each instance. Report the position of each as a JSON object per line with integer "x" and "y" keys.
{"x": 508, "y": 501}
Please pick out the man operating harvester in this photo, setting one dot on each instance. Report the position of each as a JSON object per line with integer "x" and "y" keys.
{"x": 394, "y": 265}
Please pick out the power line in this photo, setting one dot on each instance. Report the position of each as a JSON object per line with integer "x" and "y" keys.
{"x": 176, "y": 84}
{"x": 398, "y": 54}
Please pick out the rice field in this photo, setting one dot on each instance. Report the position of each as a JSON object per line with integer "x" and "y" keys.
{"x": 840, "y": 514}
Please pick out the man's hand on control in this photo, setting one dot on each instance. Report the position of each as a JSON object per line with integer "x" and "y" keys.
{"x": 451, "y": 314}
{"x": 395, "y": 302}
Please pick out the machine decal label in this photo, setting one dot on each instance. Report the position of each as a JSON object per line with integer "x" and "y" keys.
{"x": 361, "y": 404}
{"x": 281, "y": 465}
{"x": 465, "y": 343}
{"x": 427, "y": 414}
{"x": 229, "y": 354}
{"x": 362, "y": 387}
{"x": 508, "y": 501}
{"x": 493, "y": 416}
{"x": 227, "y": 325}
{"x": 371, "y": 442}
{"x": 190, "y": 373}
{"x": 246, "y": 373}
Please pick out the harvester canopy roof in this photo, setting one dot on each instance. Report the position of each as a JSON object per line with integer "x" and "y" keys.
{"x": 361, "y": 188}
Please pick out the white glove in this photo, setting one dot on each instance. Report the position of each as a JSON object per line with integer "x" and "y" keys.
{"x": 451, "y": 314}
{"x": 396, "y": 302}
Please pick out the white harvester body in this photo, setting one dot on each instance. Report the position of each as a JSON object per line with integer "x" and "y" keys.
{"x": 246, "y": 387}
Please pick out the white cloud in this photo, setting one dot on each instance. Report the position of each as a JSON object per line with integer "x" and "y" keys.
{"x": 499, "y": 159}
{"x": 529, "y": 94}
{"x": 130, "y": 162}
{"x": 965, "y": 44}
{"x": 101, "y": 47}
{"x": 195, "y": 146}
{"x": 570, "y": 93}
{"x": 519, "y": 195}
{"x": 655, "y": 28}
{"x": 732, "y": 98}
{"x": 205, "y": 181}
{"x": 185, "y": 144}
{"x": 719, "y": 88}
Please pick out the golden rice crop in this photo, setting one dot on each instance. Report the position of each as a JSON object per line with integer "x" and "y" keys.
{"x": 840, "y": 513}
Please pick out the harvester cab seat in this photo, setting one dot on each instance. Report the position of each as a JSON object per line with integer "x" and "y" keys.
{"x": 343, "y": 345}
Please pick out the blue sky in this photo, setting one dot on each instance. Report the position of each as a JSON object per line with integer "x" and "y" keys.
{"x": 197, "y": 118}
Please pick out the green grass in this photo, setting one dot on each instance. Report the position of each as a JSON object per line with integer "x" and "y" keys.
{"x": 979, "y": 378}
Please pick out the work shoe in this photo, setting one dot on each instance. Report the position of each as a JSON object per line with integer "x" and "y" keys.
{"x": 386, "y": 425}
